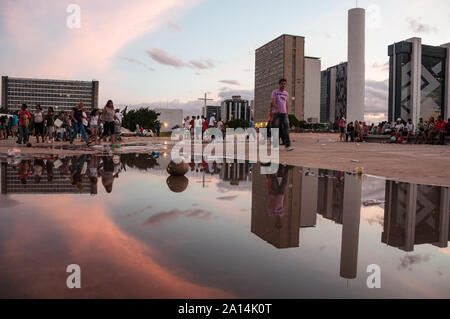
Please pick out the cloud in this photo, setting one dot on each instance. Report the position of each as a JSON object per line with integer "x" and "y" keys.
{"x": 164, "y": 58}
{"x": 174, "y": 26}
{"x": 132, "y": 60}
{"x": 74, "y": 52}
{"x": 162, "y": 218}
{"x": 377, "y": 93}
{"x": 409, "y": 260}
{"x": 381, "y": 67}
{"x": 226, "y": 93}
{"x": 418, "y": 27}
{"x": 231, "y": 82}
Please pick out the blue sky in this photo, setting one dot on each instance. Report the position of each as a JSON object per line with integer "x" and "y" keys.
{"x": 172, "y": 52}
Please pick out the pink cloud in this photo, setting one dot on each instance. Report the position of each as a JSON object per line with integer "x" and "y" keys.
{"x": 46, "y": 47}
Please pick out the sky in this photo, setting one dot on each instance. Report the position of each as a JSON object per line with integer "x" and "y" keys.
{"x": 169, "y": 53}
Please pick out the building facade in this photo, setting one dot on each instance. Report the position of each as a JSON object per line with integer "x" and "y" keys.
{"x": 312, "y": 90}
{"x": 418, "y": 80}
{"x": 283, "y": 57}
{"x": 333, "y": 97}
{"x": 62, "y": 95}
{"x": 236, "y": 108}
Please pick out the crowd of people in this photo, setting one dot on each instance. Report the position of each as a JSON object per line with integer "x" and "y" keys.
{"x": 50, "y": 126}
{"x": 197, "y": 125}
{"x": 400, "y": 132}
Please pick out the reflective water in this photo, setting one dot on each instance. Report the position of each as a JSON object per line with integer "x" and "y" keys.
{"x": 223, "y": 231}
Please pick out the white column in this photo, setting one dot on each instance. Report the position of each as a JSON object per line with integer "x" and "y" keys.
{"x": 447, "y": 81}
{"x": 356, "y": 75}
{"x": 444, "y": 218}
{"x": 416, "y": 78}
{"x": 350, "y": 226}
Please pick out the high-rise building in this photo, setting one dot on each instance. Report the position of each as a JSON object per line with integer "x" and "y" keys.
{"x": 312, "y": 90}
{"x": 356, "y": 74}
{"x": 62, "y": 95}
{"x": 215, "y": 110}
{"x": 235, "y": 108}
{"x": 333, "y": 98}
{"x": 418, "y": 80}
{"x": 283, "y": 57}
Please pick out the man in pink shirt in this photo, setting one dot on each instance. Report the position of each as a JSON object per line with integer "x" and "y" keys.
{"x": 280, "y": 99}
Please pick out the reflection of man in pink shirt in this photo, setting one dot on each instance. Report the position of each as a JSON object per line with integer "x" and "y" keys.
{"x": 276, "y": 186}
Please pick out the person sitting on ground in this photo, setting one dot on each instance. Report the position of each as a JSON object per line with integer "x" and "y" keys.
{"x": 420, "y": 132}
{"x": 350, "y": 132}
{"x": 431, "y": 132}
{"x": 410, "y": 129}
{"x": 440, "y": 128}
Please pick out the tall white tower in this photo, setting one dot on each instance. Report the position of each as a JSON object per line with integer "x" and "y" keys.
{"x": 356, "y": 73}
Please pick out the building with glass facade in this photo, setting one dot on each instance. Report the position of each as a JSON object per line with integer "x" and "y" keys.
{"x": 418, "y": 80}
{"x": 333, "y": 94}
{"x": 62, "y": 95}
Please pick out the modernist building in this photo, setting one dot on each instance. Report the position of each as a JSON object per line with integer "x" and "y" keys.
{"x": 169, "y": 118}
{"x": 215, "y": 110}
{"x": 333, "y": 93}
{"x": 283, "y": 57}
{"x": 62, "y": 95}
{"x": 235, "y": 108}
{"x": 418, "y": 80}
{"x": 312, "y": 90}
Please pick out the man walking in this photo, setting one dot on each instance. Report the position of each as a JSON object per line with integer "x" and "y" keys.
{"x": 280, "y": 98}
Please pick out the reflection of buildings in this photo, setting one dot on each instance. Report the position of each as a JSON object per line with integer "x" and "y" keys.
{"x": 415, "y": 215}
{"x": 299, "y": 203}
{"x": 236, "y": 172}
{"x": 418, "y": 80}
{"x": 60, "y": 184}
{"x": 335, "y": 195}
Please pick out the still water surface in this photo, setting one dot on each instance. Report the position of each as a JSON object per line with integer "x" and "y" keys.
{"x": 223, "y": 231}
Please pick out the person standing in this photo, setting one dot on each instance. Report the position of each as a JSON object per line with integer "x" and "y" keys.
{"x": 280, "y": 105}
{"x": 38, "y": 119}
{"x": 108, "y": 119}
{"x": 77, "y": 123}
{"x": 342, "y": 123}
{"x": 94, "y": 124}
{"x": 50, "y": 119}
{"x": 212, "y": 120}
{"x": 24, "y": 124}
{"x": 15, "y": 125}
{"x": 118, "y": 124}
{"x": 158, "y": 129}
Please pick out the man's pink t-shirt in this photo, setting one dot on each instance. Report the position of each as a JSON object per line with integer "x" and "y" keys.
{"x": 281, "y": 98}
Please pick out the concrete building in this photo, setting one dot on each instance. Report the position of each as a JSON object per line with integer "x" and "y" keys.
{"x": 312, "y": 90}
{"x": 283, "y": 57}
{"x": 235, "y": 108}
{"x": 356, "y": 64}
{"x": 418, "y": 80}
{"x": 62, "y": 95}
{"x": 333, "y": 94}
{"x": 169, "y": 118}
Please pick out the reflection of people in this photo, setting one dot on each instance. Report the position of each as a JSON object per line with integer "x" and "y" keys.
{"x": 276, "y": 186}
{"x": 24, "y": 171}
{"x": 38, "y": 167}
{"x": 76, "y": 171}
{"x": 93, "y": 174}
{"x": 107, "y": 173}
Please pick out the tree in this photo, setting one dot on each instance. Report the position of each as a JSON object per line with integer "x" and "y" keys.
{"x": 145, "y": 117}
